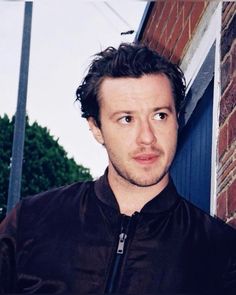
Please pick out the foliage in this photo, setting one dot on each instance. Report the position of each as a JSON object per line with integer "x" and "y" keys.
{"x": 45, "y": 163}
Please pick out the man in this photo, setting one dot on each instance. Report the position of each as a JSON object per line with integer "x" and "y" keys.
{"x": 129, "y": 231}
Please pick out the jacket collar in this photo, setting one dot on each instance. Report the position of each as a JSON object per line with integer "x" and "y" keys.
{"x": 166, "y": 200}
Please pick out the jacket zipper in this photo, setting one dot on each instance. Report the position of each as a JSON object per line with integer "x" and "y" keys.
{"x": 121, "y": 243}
{"x": 115, "y": 270}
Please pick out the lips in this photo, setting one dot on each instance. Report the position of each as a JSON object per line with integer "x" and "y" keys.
{"x": 146, "y": 158}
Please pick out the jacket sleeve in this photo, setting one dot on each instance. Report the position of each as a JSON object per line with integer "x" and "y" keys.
{"x": 229, "y": 277}
{"x": 8, "y": 227}
{"x": 8, "y": 233}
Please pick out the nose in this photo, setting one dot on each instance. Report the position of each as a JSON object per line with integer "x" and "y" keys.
{"x": 146, "y": 134}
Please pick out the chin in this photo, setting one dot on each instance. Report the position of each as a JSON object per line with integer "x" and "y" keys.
{"x": 141, "y": 182}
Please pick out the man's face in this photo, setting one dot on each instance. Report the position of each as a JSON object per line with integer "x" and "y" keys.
{"x": 138, "y": 128}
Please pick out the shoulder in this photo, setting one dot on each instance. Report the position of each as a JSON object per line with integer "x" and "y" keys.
{"x": 55, "y": 195}
{"x": 51, "y": 209}
{"x": 62, "y": 198}
{"x": 46, "y": 207}
{"x": 212, "y": 228}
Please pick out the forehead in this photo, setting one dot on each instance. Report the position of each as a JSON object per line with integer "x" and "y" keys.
{"x": 145, "y": 90}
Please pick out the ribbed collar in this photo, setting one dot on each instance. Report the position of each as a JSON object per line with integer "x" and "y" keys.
{"x": 164, "y": 201}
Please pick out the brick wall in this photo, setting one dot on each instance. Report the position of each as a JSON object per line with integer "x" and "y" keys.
{"x": 171, "y": 26}
{"x": 226, "y": 201}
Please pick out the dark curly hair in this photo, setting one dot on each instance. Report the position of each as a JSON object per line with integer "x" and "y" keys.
{"x": 129, "y": 60}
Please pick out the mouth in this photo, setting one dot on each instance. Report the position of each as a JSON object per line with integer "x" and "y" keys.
{"x": 146, "y": 159}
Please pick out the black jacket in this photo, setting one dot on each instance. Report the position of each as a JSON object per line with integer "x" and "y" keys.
{"x": 74, "y": 239}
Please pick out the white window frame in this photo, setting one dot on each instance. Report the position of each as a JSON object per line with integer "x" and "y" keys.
{"x": 208, "y": 33}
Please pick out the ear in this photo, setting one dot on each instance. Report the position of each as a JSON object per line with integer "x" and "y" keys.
{"x": 97, "y": 133}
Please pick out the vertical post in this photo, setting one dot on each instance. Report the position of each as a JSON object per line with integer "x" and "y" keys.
{"x": 19, "y": 128}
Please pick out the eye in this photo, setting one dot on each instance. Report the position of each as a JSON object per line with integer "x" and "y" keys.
{"x": 125, "y": 120}
{"x": 160, "y": 116}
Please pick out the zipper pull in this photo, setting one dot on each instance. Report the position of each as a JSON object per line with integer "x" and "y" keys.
{"x": 121, "y": 244}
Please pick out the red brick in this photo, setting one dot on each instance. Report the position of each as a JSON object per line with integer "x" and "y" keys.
{"x": 158, "y": 34}
{"x": 176, "y": 32}
{"x": 151, "y": 44}
{"x": 233, "y": 60}
{"x": 155, "y": 35}
{"x": 221, "y": 206}
{"x": 232, "y": 128}
{"x": 153, "y": 25}
{"x": 182, "y": 41}
{"x": 159, "y": 23}
{"x": 158, "y": 11}
{"x": 155, "y": 46}
{"x": 199, "y": 7}
{"x": 150, "y": 33}
{"x": 157, "y": 31}
{"x": 167, "y": 53}
{"x": 180, "y": 5}
{"x": 196, "y": 14}
{"x": 171, "y": 37}
{"x": 224, "y": 7}
{"x": 225, "y": 73}
{"x": 232, "y": 223}
{"x": 223, "y": 140}
{"x": 228, "y": 101}
{"x": 228, "y": 36}
{"x": 232, "y": 198}
{"x": 156, "y": 22}
{"x": 228, "y": 11}
{"x": 168, "y": 48}
{"x": 187, "y": 9}
{"x": 159, "y": 44}
{"x": 172, "y": 19}
{"x": 159, "y": 5}
{"x": 224, "y": 160}
{"x": 159, "y": 47}
{"x": 166, "y": 10}
{"x": 163, "y": 38}
{"x": 179, "y": 25}
{"x": 152, "y": 22}
{"x": 227, "y": 176}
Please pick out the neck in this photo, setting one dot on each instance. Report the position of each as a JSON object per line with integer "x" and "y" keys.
{"x": 132, "y": 198}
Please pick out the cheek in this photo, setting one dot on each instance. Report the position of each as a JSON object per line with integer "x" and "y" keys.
{"x": 117, "y": 145}
{"x": 113, "y": 142}
{"x": 117, "y": 136}
{"x": 168, "y": 139}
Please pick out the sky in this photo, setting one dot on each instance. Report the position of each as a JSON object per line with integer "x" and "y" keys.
{"x": 65, "y": 35}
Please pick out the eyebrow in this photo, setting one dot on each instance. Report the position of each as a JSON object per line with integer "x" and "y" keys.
{"x": 168, "y": 108}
